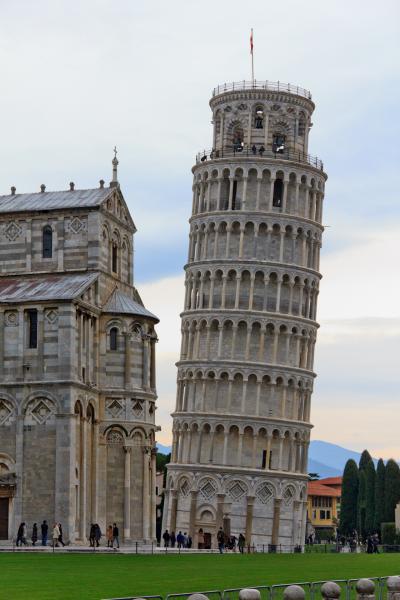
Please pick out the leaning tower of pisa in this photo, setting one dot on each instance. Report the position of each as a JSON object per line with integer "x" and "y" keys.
{"x": 245, "y": 376}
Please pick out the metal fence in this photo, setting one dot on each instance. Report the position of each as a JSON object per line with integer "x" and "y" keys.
{"x": 259, "y": 151}
{"x": 312, "y": 590}
{"x": 270, "y": 86}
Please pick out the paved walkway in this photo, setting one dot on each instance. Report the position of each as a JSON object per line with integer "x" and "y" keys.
{"x": 129, "y": 549}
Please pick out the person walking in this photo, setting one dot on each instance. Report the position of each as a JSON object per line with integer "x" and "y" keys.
{"x": 92, "y": 535}
{"x": 221, "y": 540}
{"x": 21, "y": 535}
{"x": 200, "y": 539}
{"x": 166, "y": 538}
{"x": 45, "y": 532}
{"x": 34, "y": 534}
{"x": 241, "y": 543}
{"x": 109, "y": 536}
{"x": 60, "y": 537}
{"x": 55, "y": 534}
{"x": 115, "y": 536}
{"x": 97, "y": 534}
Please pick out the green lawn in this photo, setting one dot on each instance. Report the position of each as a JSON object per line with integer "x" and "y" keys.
{"x": 92, "y": 577}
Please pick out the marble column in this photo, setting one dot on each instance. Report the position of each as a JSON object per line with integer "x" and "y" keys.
{"x": 127, "y": 494}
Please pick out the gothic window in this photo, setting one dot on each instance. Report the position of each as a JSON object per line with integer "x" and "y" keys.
{"x": 301, "y": 128}
{"x": 114, "y": 262}
{"x": 259, "y": 118}
{"x": 113, "y": 338}
{"x": 47, "y": 242}
{"x": 278, "y": 193}
{"x": 278, "y": 143}
{"x": 32, "y": 328}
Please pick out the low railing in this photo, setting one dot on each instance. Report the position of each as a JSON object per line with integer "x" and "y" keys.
{"x": 373, "y": 588}
{"x": 259, "y": 151}
{"x": 272, "y": 86}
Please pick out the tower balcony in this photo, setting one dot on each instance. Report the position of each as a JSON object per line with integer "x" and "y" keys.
{"x": 258, "y": 152}
{"x": 269, "y": 86}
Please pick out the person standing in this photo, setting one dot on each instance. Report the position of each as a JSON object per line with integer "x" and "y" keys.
{"x": 173, "y": 539}
{"x": 55, "y": 534}
{"x": 200, "y": 539}
{"x": 34, "y": 534}
{"x": 221, "y": 540}
{"x": 45, "y": 532}
{"x": 180, "y": 539}
{"x": 60, "y": 537}
{"x": 115, "y": 533}
{"x": 241, "y": 543}
{"x": 166, "y": 538}
{"x": 109, "y": 536}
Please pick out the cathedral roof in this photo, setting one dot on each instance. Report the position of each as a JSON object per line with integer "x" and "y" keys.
{"x": 47, "y": 287}
{"x": 54, "y": 200}
{"x": 121, "y": 303}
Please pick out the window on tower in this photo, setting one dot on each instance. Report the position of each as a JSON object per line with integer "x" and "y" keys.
{"x": 238, "y": 138}
{"x": 259, "y": 118}
{"x": 47, "y": 242}
{"x": 278, "y": 143}
{"x": 301, "y": 129}
{"x": 278, "y": 193}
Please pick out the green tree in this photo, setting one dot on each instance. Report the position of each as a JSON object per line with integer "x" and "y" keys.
{"x": 370, "y": 477}
{"x": 365, "y": 458}
{"x": 379, "y": 495}
{"x": 361, "y": 503}
{"x": 392, "y": 489}
{"x": 348, "y": 506}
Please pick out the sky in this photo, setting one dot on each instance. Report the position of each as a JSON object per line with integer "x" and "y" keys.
{"x": 78, "y": 78}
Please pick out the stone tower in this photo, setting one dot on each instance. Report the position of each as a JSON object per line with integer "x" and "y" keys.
{"x": 245, "y": 377}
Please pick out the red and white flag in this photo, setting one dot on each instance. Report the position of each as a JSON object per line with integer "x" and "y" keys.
{"x": 251, "y": 42}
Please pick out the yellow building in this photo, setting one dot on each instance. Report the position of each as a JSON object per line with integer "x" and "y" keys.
{"x": 323, "y": 503}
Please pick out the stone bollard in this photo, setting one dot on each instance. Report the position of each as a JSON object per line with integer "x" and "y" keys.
{"x": 330, "y": 590}
{"x": 294, "y": 592}
{"x": 197, "y": 596}
{"x": 393, "y": 588}
{"x": 365, "y": 589}
{"x": 250, "y": 594}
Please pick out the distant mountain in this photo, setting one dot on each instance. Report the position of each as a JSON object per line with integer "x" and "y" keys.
{"x": 324, "y": 458}
{"x": 163, "y": 449}
{"x": 328, "y": 460}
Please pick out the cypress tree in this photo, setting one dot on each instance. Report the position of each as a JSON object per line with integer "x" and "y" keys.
{"x": 348, "y": 507}
{"x": 365, "y": 458}
{"x": 379, "y": 495}
{"x": 361, "y": 503}
{"x": 392, "y": 489}
{"x": 370, "y": 477}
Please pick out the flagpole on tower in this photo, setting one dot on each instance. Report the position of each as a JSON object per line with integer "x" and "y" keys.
{"x": 252, "y": 56}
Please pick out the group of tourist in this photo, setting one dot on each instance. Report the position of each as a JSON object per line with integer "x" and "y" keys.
{"x": 182, "y": 540}
{"x": 56, "y": 534}
{"x": 230, "y": 542}
{"x": 95, "y": 535}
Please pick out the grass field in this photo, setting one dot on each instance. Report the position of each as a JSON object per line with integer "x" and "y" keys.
{"x": 91, "y": 577}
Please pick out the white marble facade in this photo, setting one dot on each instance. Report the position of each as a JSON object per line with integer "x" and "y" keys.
{"x": 245, "y": 377}
{"x": 77, "y": 366}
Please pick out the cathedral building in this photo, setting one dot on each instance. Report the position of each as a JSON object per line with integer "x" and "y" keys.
{"x": 77, "y": 366}
{"x": 245, "y": 376}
